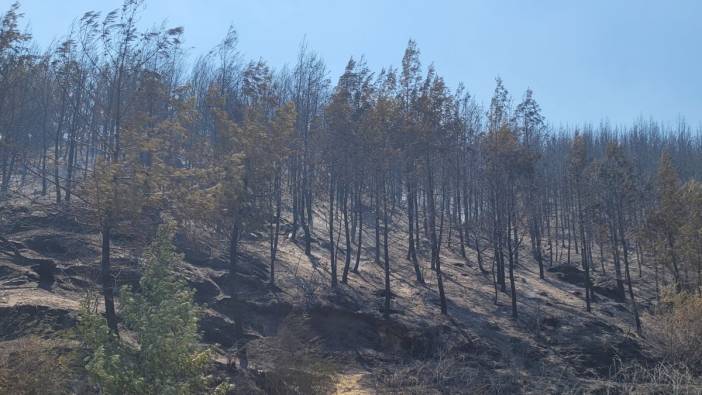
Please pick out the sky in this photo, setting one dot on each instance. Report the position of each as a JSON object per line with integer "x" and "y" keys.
{"x": 586, "y": 61}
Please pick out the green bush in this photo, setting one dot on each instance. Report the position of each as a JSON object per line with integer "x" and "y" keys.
{"x": 159, "y": 353}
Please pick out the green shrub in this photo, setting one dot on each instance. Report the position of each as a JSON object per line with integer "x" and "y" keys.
{"x": 159, "y": 353}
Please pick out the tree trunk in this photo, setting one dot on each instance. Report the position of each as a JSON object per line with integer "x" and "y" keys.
{"x": 512, "y": 260}
{"x": 332, "y": 250}
{"x": 377, "y": 225}
{"x": 386, "y": 260}
{"x": 412, "y": 253}
{"x": 436, "y": 262}
{"x": 106, "y": 278}
{"x": 275, "y": 230}
{"x": 359, "y": 244}
{"x": 625, "y": 248}
{"x": 347, "y": 234}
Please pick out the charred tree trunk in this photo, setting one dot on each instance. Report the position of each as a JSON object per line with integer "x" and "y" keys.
{"x": 106, "y": 278}
{"x": 431, "y": 215}
{"x": 347, "y": 236}
{"x": 359, "y": 244}
{"x": 386, "y": 260}
{"x": 412, "y": 253}
{"x": 332, "y": 249}
{"x": 234, "y": 245}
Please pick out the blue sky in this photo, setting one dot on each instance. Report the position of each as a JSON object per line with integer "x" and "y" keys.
{"x": 585, "y": 60}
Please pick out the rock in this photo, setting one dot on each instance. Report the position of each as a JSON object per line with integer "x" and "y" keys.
{"x": 195, "y": 253}
{"x": 217, "y": 328}
{"x": 608, "y": 288}
{"x": 65, "y": 246}
{"x": 262, "y": 318}
{"x": 46, "y": 270}
{"x": 598, "y": 356}
{"x": 569, "y": 274}
{"x": 205, "y": 289}
{"x": 492, "y": 325}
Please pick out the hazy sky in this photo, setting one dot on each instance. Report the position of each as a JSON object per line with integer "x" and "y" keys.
{"x": 585, "y": 60}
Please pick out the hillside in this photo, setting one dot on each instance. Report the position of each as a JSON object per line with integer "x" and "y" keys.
{"x": 301, "y": 336}
{"x": 180, "y": 215}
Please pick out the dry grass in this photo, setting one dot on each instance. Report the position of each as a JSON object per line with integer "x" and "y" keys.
{"x": 663, "y": 378}
{"x": 677, "y": 330}
{"x": 283, "y": 381}
{"x": 448, "y": 372}
{"x": 32, "y": 365}
{"x": 675, "y": 334}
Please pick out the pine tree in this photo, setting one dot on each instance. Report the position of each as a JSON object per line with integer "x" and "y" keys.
{"x": 120, "y": 54}
{"x": 577, "y": 173}
{"x": 667, "y": 219}
{"x": 618, "y": 192}
{"x": 162, "y": 317}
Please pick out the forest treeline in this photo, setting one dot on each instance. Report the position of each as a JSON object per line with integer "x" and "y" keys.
{"x": 117, "y": 119}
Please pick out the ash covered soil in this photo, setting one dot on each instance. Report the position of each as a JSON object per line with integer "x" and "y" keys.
{"x": 300, "y": 336}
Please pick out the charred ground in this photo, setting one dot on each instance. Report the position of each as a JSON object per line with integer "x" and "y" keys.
{"x": 301, "y": 336}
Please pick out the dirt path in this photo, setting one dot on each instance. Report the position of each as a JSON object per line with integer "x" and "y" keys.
{"x": 350, "y": 384}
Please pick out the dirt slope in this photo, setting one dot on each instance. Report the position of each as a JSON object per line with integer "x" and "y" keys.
{"x": 302, "y": 337}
